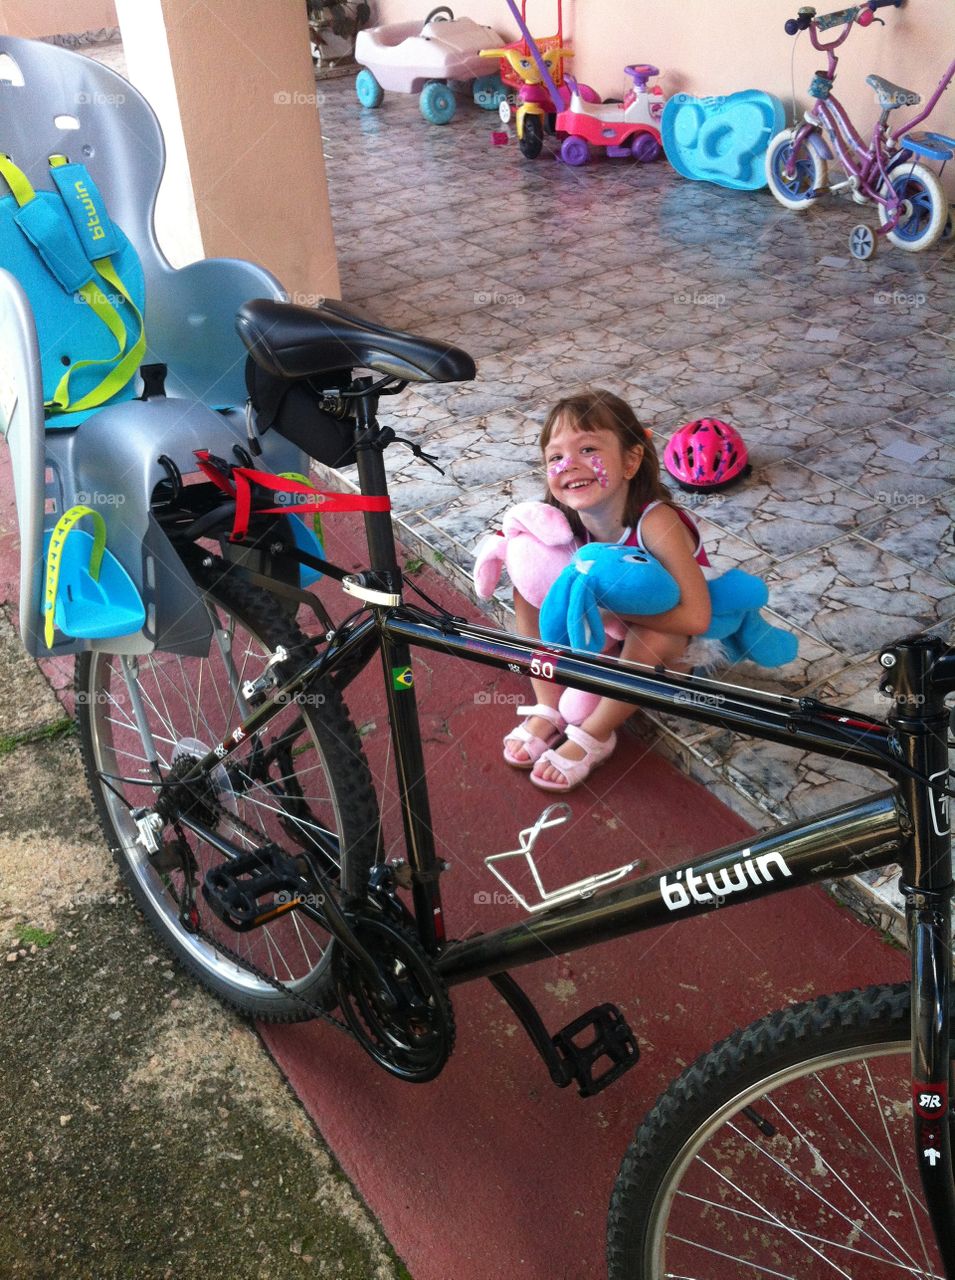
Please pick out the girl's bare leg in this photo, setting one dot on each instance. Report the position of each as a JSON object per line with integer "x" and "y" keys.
{"x": 545, "y": 692}
{"x": 640, "y": 645}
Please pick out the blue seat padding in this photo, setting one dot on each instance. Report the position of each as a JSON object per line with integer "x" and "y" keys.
{"x": 40, "y": 247}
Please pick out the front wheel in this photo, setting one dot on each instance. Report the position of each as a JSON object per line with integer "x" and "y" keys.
{"x": 532, "y": 137}
{"x": 786, "y": 1151}
{"x": 301, "y": 782}
{"x": 924, "y": 208}
{"x": 437, "y": 102}
{"x": 368, "y": 91}
{"x": 794, "y": 179}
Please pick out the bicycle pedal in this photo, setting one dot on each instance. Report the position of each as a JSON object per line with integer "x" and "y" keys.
{"x": 235, "y": 891}
{"x": 612, "y": 1040}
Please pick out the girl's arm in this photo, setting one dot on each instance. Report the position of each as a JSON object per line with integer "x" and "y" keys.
{"x": 667, "y": 538}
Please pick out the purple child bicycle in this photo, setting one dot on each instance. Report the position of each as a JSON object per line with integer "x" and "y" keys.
{"x": 912, "y": 208}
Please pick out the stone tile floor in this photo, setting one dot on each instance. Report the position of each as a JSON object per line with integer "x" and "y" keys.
{"x": 687, "y": 300}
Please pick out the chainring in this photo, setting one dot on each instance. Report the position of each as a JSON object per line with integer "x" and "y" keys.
{"x": 414, "y": 1040}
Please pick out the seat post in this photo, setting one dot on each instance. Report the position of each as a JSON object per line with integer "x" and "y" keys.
{"x": 373, "y": 481}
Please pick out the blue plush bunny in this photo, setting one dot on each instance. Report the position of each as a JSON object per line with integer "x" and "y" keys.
{"x": 629, "y": 581}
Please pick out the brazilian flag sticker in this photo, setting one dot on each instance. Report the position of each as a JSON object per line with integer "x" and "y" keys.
{"x": 402, "y": 677}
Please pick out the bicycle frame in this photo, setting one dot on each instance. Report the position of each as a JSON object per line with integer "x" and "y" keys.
{"x": 907, "y": 824}
{"x": 866, "y": 166}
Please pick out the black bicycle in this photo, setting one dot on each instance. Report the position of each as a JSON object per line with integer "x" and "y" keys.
{"x": 236, "y": 796}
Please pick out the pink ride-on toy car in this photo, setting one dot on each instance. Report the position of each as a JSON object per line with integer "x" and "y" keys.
{"x": 408, "y": 57}
{"x": 628, "y": 128}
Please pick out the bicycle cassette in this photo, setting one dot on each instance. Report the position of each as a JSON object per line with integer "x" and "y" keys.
{"x": 412, "y": 1034}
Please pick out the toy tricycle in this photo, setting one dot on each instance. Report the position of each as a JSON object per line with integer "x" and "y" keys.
{"x": 408, "y": 57}
{"x": 536, "y": 110}
{"x": 627, "y": 128}
{"x": 630, "y": 128}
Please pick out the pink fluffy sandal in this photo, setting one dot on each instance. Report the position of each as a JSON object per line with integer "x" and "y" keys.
{"x": 532, "y": 744}
{"x": 575, "y": 771}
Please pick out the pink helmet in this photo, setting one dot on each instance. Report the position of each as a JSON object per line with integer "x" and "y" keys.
{"x": 706, "y": 454}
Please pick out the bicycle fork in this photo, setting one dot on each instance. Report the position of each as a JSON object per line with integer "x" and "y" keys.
{"x": 918, "y": 678}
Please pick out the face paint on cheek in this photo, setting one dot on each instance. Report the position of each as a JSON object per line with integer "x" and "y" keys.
{"x": 600, "y": 471}
{"x": 557, "y": 468}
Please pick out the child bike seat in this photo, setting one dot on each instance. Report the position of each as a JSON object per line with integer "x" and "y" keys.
{"x": 299, "y": 342}
{"x": 892, "y": 95}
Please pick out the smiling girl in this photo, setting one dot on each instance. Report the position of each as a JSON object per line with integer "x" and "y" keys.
{"x": 603, "y": 474}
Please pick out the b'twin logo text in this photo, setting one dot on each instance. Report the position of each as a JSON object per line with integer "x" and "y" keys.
{"x": 682, "y": 891}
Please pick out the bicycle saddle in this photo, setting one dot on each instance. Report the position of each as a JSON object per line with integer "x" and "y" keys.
{"x": 289, "y": 341}
{"x": 892, "y": 95}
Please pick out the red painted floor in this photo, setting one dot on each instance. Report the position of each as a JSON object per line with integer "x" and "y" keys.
{"x": 491, "y": 1171}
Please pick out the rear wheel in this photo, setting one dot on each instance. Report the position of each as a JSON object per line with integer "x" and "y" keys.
{"x": 794, "y": 179}
{"x": 437, "y": 102}
{"x": 574, "y": 151}
{"x": 786, "y": 1151}
{"x": 302, "y": 783}
{"x": 924, "y": 208}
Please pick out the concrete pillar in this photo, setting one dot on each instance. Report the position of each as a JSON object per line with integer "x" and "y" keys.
{"x": 232, "y": 83}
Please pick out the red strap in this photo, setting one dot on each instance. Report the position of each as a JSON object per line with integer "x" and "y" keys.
{"x": 212, "y": 471}
{"x": 243, "y": 478}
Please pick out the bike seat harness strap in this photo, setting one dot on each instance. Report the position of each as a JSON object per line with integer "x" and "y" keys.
{"x": 289, "y": 341}
{"x": 300, "y": 498}
{"x": 72, "y": 235}
{"x": 892, "y": 95}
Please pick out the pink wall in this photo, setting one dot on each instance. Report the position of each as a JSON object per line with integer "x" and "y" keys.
{"x": 55, "y": 17}
{"x": 705, "y": 48}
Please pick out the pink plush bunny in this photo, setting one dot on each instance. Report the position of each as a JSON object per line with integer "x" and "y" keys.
{"x": 535, "y": 544}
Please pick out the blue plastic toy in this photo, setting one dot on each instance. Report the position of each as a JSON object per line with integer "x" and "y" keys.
{"x": 87, "y": 594}
{"x": 722, "y": 139}
{"x": 629, "y": 581}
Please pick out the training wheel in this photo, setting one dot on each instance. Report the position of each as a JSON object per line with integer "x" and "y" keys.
{"x": 861, "y": 242}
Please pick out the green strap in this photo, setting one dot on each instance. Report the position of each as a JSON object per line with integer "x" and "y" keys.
{"x": 16, "y": 180}
{"x": 103, "y": 309}
{"x": 316, "y": 518}
{"x": 54, "y": 556}
{"x": 121, "y": 373}
{"x": 99, "y": 304}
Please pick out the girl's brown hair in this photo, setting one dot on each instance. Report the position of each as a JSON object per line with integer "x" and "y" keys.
{"x": 597, "y": 410}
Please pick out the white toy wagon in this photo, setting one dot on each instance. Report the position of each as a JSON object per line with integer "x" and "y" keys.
{"x": 407, "y": 57}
